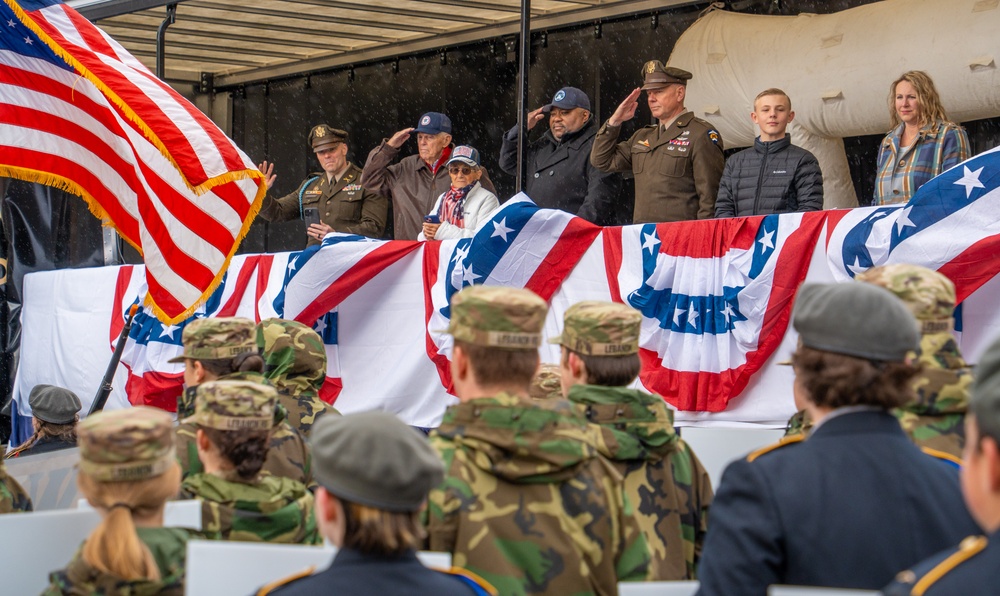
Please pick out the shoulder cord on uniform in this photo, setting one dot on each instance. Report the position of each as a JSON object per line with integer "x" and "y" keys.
{"x": 302, "y": 191}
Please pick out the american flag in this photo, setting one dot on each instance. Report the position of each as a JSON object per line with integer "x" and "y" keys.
{"x": 80, "y": 113}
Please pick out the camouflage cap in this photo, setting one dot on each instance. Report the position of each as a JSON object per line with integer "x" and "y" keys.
{"x": 217, "y": 339}
{"x": 655, "y": 75}
{"x": 126, "y": 445}
{"x": 324, "y": 136}
{"x": 595, "y": 328}
{"x": 374, "y": 459}
{"x": 546, "y": 382}
{"x": 498, "y": 317}
{"x": 291, "y": 351}
{"x": 929, "y": 295}
{"x": 53, "y": 404}
{"x": 234, "y": 405}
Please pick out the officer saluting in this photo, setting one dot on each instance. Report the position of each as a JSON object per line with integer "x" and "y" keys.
{"x": 677, "y": 163}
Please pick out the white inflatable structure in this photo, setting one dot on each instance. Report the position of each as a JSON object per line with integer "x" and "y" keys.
{"x": 837, "y": 69}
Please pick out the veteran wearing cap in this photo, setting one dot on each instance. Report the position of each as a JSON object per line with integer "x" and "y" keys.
{"x": 416, "y": 181}
{"x": 506, "y": 454}
{"x": 465, "y": 206}
{"x": 665, "y": 481}
{"x": 374, "y": 474}
{"x": 54, "y": 412}
{"x": 972, "y": 565}
{"x": 560, "y": 175}
{"x": 127, "y": 472}
{"x": 857, "y": 501}
{"x": 677, "y": 162}
{"x": 335, "y": 193}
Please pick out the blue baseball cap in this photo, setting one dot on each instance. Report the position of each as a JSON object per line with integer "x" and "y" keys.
{"x": 433, "y": 122}
{"x": 568, "y": 98}
{"x": 465, "y": 154}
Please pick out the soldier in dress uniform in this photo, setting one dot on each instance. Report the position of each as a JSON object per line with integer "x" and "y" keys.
{"x": 665, "y": 481}
{"x": 374, "y": 473}
{"x": 344, "y": 206}
{"x": 973, "y": 567}
{"x": 677, "y": 162}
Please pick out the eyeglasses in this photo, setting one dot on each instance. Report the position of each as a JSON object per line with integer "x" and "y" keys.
{"x": 463, "y": 170}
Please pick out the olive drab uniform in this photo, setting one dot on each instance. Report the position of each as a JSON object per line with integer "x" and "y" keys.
{"x": 13, "y": 497}
{"x": 668, "y": 486}
{"x": 677, "y": 168}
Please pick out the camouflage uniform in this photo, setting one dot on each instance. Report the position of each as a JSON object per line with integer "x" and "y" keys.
{"x": 13, "y": 497}
{"x": 545, "y": 385}
{"x": 527, "y": 503}
{"x": 264, "y": 509}
{"x": 210, "y": 339}
{"x": 295, "y": 363}
{"x": 663, "y": 478}
{"x": 126, "y": 446}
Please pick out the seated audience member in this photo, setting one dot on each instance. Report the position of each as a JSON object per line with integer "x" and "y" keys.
{"x": 295, "y": 363}
{"x": 560, "y": 175}
{"x": 226, "y": 348}
{"x": 54, "y": 412}
{"x": 241, "y": 501}
{"x": 773, "y": 176}
{"x": 664, "y": 480}
{"x": 13, "y": 497}
{"x": 922, "y": 143}
{"x": 374, "y": 473}
{"x": 417, "y": 180}
{"x": 463, "y": 207}
{"x": 127, "y": 472}
{"x": 855, "y": 502}
{"x": 934, "y": 417}
{"x": 973, "y": 567}
{"x": 527, "y": 502}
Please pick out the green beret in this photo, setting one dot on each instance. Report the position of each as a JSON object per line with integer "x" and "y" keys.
{"x": 374, "y": 459}
{"x": 54, "y": 404}
{"x": 855, "y": 319}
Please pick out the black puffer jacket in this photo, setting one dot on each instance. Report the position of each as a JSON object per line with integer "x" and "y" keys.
{"x": 770, "y": 177}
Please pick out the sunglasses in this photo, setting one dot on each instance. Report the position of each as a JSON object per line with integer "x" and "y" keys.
{"x": 456, "y": 170}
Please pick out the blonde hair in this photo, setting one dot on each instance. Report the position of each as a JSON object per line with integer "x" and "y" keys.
{"x": 114, "y": 547}
{"x": 379, "y": 532}
{"x": 931, "y": 109}
{"x": 772, "y": 91}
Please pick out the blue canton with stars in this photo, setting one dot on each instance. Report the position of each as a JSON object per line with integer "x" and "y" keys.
{"x": 474, "y": 259}
{"x": 940, "y": 198}
{"x": 147, "y": 328}
{"x": 682, "y": 313}
{"x": 18, "y": 38}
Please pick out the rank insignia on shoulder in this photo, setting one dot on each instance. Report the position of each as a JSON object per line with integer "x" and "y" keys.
{"x": 714, "y": 136}
{"x": 643, "y": 142}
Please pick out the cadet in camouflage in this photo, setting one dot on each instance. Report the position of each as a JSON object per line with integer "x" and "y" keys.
{"x": 527, "y": 503}
{"x": 295, "y": 363}
{"x": 216, "y": 348}
{"x": 667, "y": 483}
{"x": 240, "y": 501}
{"x": 13, "y": 497}
{"x": 131, "y": 450}
{"x": 936, "y": 419}
{"x": 545, "y": 384}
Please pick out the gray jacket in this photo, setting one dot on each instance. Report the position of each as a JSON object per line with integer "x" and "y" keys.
{"x": 770, "y": 177}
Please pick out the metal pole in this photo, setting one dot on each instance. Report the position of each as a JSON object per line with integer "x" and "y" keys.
{"x": 161, "y": 39}
{"x": 522, "y": 95}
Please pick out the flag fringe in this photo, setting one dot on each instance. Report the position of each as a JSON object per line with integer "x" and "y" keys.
{"x": 127, "y": 111}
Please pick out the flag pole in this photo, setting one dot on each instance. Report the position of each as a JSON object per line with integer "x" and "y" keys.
{"x": 522, "y": 95}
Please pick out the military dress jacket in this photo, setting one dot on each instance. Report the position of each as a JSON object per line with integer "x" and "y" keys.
{"x": 358, "y": 574}
{"x": 848, "y": 507}
{"x": 343, "y": 204}
{"x": 560, "y": 175}
{"x": 677, "y": 170}
{"x": 972, "y": 567}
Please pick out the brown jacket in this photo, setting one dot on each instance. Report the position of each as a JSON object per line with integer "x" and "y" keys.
{"x": 677, "y": 171}
{"x": 344, "y": 205}
{"x": 412, "y": 185}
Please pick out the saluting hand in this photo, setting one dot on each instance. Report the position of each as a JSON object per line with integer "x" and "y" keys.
{"x": 534, "y": 117}
{"x": 268, "y": 170}
{"x": 626, "y": 109}
{"x": 399, "y": 138}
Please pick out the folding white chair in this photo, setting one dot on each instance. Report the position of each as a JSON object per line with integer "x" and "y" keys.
{"x": 657, "y": 588}
{"x": 717, "y": 447}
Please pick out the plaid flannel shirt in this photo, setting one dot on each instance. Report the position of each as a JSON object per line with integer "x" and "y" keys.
{"x": 939, "y": 146}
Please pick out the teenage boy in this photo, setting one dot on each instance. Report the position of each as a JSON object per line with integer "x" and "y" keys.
{"x": 773, "y": 176}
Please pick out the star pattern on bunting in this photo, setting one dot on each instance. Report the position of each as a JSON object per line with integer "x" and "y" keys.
{"x": 970, "y": 180}
{"x": 500, "y": 229}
